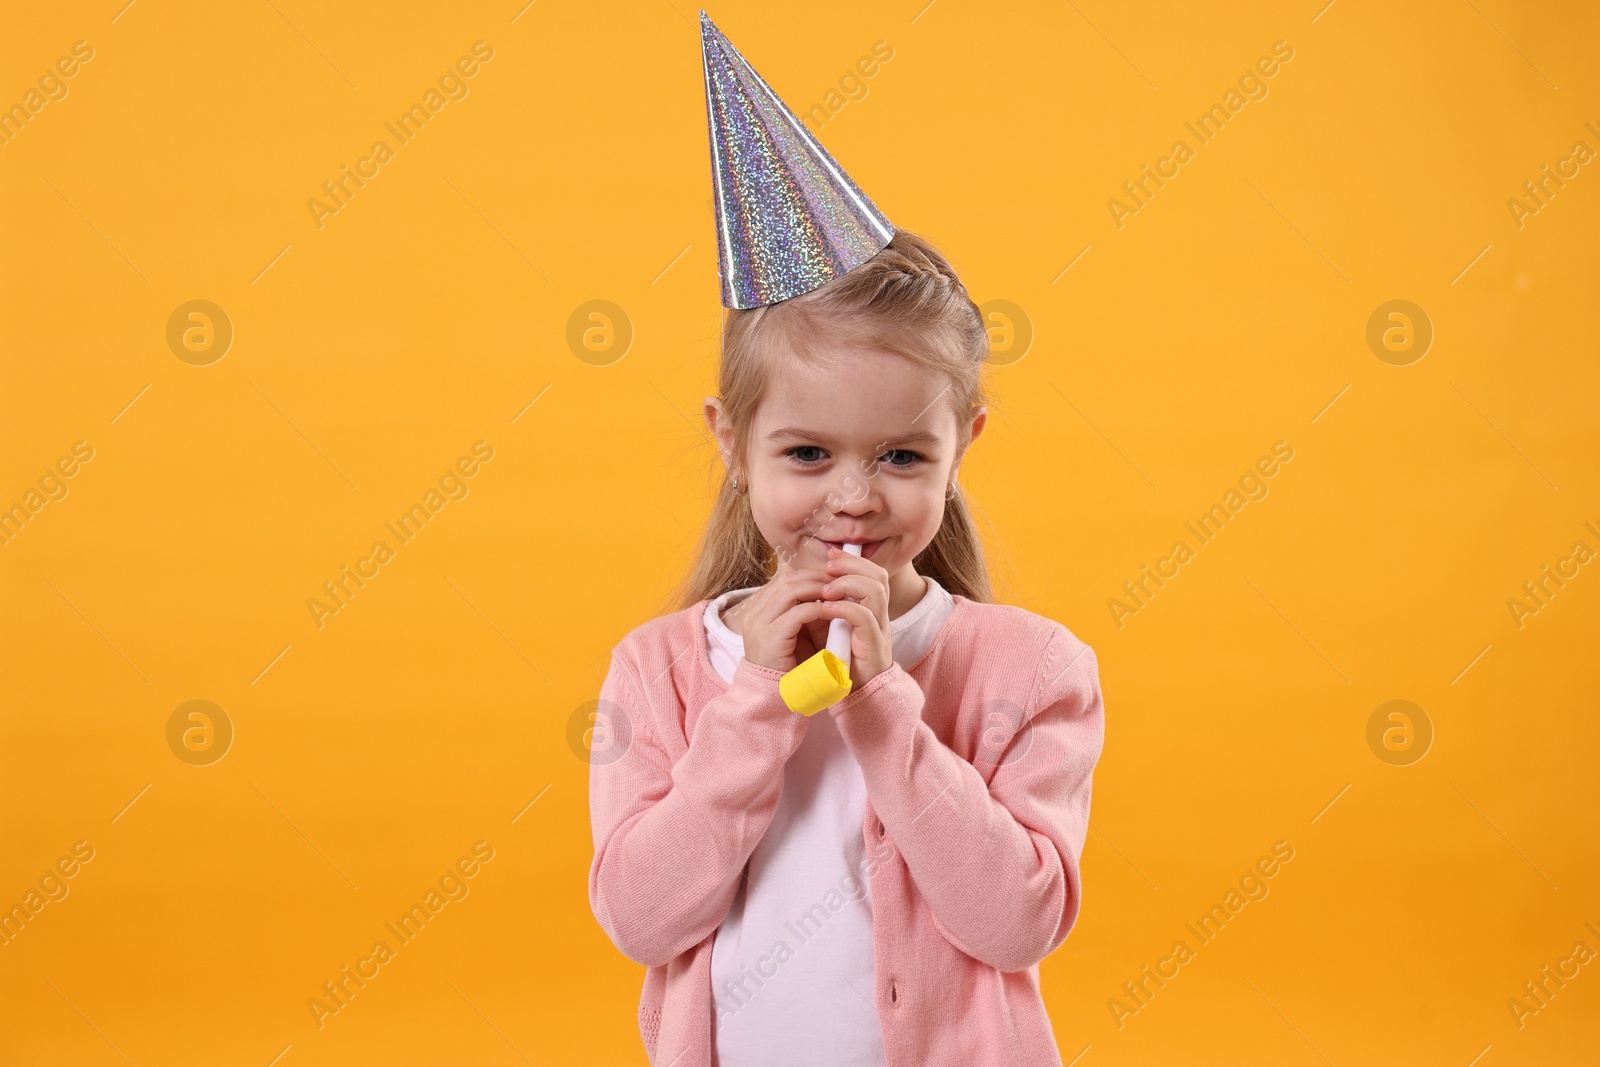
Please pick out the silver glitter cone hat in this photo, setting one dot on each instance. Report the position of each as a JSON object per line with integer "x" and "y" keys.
{"x": 788, "y": 218}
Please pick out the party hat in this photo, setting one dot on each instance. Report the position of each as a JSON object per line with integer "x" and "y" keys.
{"x": 788, "y": 218}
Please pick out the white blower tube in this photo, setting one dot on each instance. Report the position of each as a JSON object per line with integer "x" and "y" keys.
{"x": 839, "y": 629}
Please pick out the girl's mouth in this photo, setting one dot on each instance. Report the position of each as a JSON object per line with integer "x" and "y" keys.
{"x": 867, "y": 547}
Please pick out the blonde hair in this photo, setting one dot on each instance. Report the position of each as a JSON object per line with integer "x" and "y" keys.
{"x": 908, "y": 300}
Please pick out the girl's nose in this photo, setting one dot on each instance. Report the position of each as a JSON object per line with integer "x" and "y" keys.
{"x": 857, "y": 499}
{"x": 854, "y": 507}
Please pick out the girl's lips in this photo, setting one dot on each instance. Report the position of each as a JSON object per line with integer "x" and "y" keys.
{"x": 867, "y": 547}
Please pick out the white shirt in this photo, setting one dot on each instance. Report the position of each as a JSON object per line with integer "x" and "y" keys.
{"x": 792, "y": 964}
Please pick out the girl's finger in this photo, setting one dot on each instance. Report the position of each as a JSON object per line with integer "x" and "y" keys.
{"x": 788, "y": 624}
{"x": 857, "y": 586}
{"x": 845, "y": 563}
{"x": 795, "y": 587}
{"x": 855, "y": 614}
{"x": 809, "y": 572}
{"x": 857, "y": 573}
{"x": 766, "y": 606}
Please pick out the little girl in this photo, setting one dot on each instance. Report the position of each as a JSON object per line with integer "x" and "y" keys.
{"x": 874, "y": 884}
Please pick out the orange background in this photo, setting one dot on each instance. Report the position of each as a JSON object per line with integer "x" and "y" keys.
{"x": 432, "y": 311}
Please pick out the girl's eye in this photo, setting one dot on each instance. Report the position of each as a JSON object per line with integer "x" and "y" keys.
{"x": 911, "y": 462}
{"x": 910, "y": 459}
{"x": 804, "y": 448}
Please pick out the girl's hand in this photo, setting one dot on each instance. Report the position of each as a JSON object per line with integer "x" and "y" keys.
{"x": 781, "y": 621}
{"x": 867, "y": 612}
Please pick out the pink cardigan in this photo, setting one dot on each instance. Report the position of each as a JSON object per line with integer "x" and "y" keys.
{"x": 977, "y": 763}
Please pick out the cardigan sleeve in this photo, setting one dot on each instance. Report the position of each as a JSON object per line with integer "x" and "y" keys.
{"x": 671, "y": 839}
{"x": 997, "y": 864}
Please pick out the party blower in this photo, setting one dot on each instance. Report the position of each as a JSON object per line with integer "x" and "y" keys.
{"x": 824, "y": 679}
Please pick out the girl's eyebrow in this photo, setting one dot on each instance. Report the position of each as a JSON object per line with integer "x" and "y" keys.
{"x": 909, "y": 437}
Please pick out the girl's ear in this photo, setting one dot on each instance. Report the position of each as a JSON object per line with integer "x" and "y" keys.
{"x": 718, "y": 425}
{"x": 722, "y": 429}
{"x": 979, "y": 421}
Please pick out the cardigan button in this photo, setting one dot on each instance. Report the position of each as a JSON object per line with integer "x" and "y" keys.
{"x": 880, "y": 827}
{"x": 894, "y": 992}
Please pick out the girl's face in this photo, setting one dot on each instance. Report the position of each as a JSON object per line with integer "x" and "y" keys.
{"x": 859, "y": 445}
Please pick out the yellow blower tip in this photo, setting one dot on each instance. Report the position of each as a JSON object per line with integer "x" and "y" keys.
{"x": 820, "y": 682}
